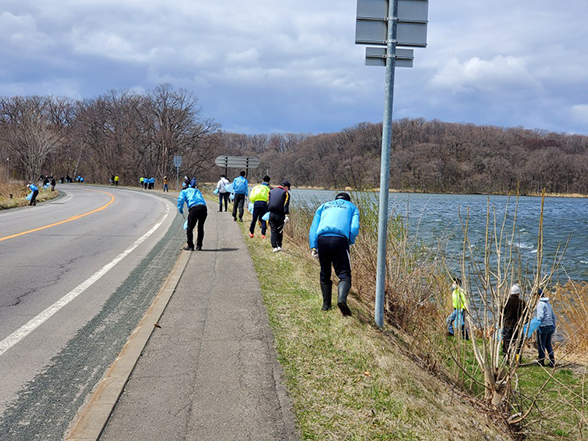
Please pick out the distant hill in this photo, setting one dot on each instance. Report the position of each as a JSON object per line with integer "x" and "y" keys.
{"x": 427, "y": 156}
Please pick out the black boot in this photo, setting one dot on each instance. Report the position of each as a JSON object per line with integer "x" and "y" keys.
{"x": 344, "y": 287}
{"x": 326, "y": 290}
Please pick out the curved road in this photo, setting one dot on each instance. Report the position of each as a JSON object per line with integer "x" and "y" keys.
{"x": 76, "y": 275}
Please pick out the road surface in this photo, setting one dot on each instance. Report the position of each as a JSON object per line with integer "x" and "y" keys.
{"x": 76, "y": 275}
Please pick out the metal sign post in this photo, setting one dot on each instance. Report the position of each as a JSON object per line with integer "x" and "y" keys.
{"x": 177, "y": 163}
{"x": 389, "y": 23}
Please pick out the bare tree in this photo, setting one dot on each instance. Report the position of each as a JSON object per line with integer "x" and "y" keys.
{"x": 33, "y": 128}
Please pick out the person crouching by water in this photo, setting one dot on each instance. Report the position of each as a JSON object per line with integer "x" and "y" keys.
{"x": 457, "y": 316}
{"x": 334, "y": 228}
{"x": 196, "y": 215}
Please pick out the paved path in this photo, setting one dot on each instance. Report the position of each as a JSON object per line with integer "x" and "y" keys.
{"x": 209, "y": 372}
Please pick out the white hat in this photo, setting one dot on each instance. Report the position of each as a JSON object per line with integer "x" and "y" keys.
{"x": 515, "y": 290}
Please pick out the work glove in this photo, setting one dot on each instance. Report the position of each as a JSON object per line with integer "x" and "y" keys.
{"x": 314, "y": 253}
{"x": 286, "y": 220}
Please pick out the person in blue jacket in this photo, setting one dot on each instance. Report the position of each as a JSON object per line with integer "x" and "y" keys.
{"x": 546, "y": 329}
{"x": 240, "y": 188}
{"x": 197, "y": 213}
{"x": 334, "y": 227}
{"x": 34, "y": 192}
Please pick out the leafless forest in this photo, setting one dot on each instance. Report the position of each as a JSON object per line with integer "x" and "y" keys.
{"x": 132, "y": 134}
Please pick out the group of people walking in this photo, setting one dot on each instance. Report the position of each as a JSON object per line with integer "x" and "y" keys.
{"x": 334, "y": 228}
{"x": 518, "y": 322}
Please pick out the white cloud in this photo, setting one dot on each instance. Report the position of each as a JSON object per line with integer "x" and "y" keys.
{"x": 497, "y": 75}
{"x": 580, "y": 113}
{"x": 250, "y": 56}
{"x": 293, "y": 64}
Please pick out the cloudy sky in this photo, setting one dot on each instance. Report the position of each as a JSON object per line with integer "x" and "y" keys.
{"x": 261, "y": 66}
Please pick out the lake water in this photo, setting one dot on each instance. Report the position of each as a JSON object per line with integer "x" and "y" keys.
{"x": 434, "y": 217}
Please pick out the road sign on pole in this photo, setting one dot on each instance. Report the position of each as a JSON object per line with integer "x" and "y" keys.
{"x": 177, "y": 163}
{"x": 245, "y": 162}
{"x": 237, "y": 161}
{"x": 389, "y": 23}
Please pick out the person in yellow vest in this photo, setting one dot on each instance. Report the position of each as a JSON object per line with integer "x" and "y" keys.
{"x": 459, "y": 302}
{"x": 116, "y": 180}
{"x": 259, "y": 196}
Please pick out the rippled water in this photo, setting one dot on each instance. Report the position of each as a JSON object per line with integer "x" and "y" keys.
{"x": 433, "y": 217}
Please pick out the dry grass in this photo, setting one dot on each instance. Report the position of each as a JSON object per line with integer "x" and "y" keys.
{"x": 19, "y": 192}
{"x": 570, "y": 303}
{"x": 349, "y": 380}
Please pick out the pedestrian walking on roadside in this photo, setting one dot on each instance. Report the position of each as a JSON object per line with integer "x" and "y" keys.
{"x": 334, "y": 228}
{"x": 116, "y": 180}
{"x": 546, "y": 329}
{"x": 52, "y": 183}
{"x": 459, "y": 303}
{"x": 223, "y": 193}
{"x": 197, "y": 213}
{"x": 34, "y": 193}
{"x": 259, "y": 196}
{"x": 512, "y": 325}
{"x": 165, "y": 185}
{"x": 240, "y": 188}
{"x": 279, "y": 208}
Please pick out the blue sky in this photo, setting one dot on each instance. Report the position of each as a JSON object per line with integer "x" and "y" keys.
{"x": 261, "y": 66}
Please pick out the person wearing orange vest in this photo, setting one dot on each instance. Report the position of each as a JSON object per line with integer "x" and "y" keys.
{"x": 259, "y": 196}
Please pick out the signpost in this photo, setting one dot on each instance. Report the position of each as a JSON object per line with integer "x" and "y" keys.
{"x": 177, "y": 163}
{"x": 389, "y": 23}
{"x": 245, "y": 162}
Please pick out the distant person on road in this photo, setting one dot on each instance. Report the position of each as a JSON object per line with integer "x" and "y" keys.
{"x": 52, "y": 183}
{"x": 259, "y": 196}
{"x": 116, "y": 180}
{"x": 459, "y": 303}
{"x": 34, "y": 193}
{"x": 546, "y": 329}
{"x": 165, "y": 184}
{"x": 334, "y": 228}
{"x": 240, "y": 188}
{"x": 197, "y": 213}
{"x": 279, "y": 208}
{"x": 223, "y": 194}
{"x": 512, "y": 325}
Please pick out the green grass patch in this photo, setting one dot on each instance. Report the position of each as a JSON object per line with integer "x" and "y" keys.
{"x": 348, "y": 380}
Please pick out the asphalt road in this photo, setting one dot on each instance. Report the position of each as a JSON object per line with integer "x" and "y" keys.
{"x": 76, "y": 275}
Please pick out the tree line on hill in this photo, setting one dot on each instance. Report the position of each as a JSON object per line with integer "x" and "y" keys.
{"x": 135, "y": 135}
{"x": 426, "y": 156}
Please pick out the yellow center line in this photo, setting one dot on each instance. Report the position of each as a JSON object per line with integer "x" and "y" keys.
{"x": 79, "y": 216}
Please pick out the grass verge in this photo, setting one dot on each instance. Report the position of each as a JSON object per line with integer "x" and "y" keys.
{"x": 347, "y": 379}
{"x": 14, "y": 195}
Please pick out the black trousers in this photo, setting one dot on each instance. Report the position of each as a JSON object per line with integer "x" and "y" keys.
{"x": 334, "y": 250}
{"x": 276, "y": 221}
{"x": 223, "y": 197}
{"x": 34, "y": 198}
{"x": 239, "y": 203}
{"x": 259, "y": 209}
{"x": 197, "y": 215}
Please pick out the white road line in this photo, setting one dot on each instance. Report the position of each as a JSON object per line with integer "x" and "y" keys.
{"x": 34, "y": 323}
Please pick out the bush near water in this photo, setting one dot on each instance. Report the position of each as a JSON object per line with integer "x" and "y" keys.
{"x": 544, "y": 404}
